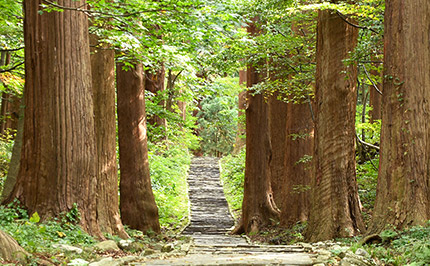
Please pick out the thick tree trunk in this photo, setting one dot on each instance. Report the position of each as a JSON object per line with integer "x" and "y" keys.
{"x": 103, "y": 81}
{"x": 137, "y": 203}
{"x": 335, "y": 205}
{"x": 277, "y": 123}
{"x": 298, "y": 170}
{"x": 403, "y": 191}
{"x": 258, "y": 208}
{"x": 10, "y": 250}
{"x": 58, "y": 158}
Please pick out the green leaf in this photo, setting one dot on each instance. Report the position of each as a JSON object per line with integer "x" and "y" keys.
{"x": 35, "y": 218}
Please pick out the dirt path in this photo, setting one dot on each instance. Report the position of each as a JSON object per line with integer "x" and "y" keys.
{"x": 211, "y": 222}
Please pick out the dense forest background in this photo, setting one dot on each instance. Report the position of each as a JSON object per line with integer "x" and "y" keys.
{"x": 318, "y": 110}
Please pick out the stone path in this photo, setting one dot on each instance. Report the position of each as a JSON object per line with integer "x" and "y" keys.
{"x": 211, "y": 222}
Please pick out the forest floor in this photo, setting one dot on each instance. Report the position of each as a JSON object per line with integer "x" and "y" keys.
{"x": 206, "y": 240}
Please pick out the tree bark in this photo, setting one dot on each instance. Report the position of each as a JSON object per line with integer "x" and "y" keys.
{"x": 298, "y": 172}
{"x": 137, "y": 203}
{"x": 10, "y": 250}
{"x": 278, "y": 135}
{"x": 403, "y": 191}
{"x": 258, "y": 208}
{"x": 103, "y": 82}
{"x": 335, "y": 205}
{"x": 58, "y": 158}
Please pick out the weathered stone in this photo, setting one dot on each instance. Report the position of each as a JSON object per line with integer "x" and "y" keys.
{"x": 306, "y": 246}
{"x": 148, "y": 252}
{"x": 185, "y": 247}
{"x": 78, "y": 262}
{"x": 363, "y": 253}
{"x": 128, "y": 259}
{"x": 105, "y": 246}
{"x": 137, "y": 247}
{"x": 168, "y": 247}
{"x": 67, "y": 248}
{"x": 105, "y": 262}
{"x": 125, "y": 244}
{"x": 354, "y": 260}
{"x": 157, "y": 247}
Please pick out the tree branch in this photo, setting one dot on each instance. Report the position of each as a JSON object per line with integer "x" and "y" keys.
{"x": 12, "y": 68}
{"x": 90, "y": 12}
{"x": 343, "y": 17}
{"x": 11, "y": 50}
{"x": 368, "y": 76}
{"x": 366, "y": 143}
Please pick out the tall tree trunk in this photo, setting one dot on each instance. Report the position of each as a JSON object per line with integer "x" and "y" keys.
{"x": 137, "y": 203}
{"x": 258, "y": 208}
{"x": 103, "y": 81}
{"x": 10, "y": 250}
{"x": 403, "y": 191}
{"x": 335, "y": 205}
{"x": 277, "y": 123}
{"x": 298, "y": 170}
{"x": 58, "y": 158}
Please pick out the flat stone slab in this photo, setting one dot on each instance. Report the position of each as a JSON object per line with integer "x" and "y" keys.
{"x": 237, "y": 259}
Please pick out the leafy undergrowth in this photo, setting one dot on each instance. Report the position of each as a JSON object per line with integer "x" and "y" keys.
{"x": 367, "y": 179}
{"x": 408, "y": 247}
{"x": 232, "y": 177}
{"x": 41, "y": 238}
{"x": 276, "y": 235}
{"x": 169, "y": 170}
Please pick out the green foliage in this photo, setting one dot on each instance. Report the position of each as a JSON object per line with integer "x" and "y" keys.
{"x": 232, "y": 177}
{"x": 218, "y": 117}
{"x": 411, "y": 246}
{"x": 36, "y": 236}
{"x": 168, "y": 169}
